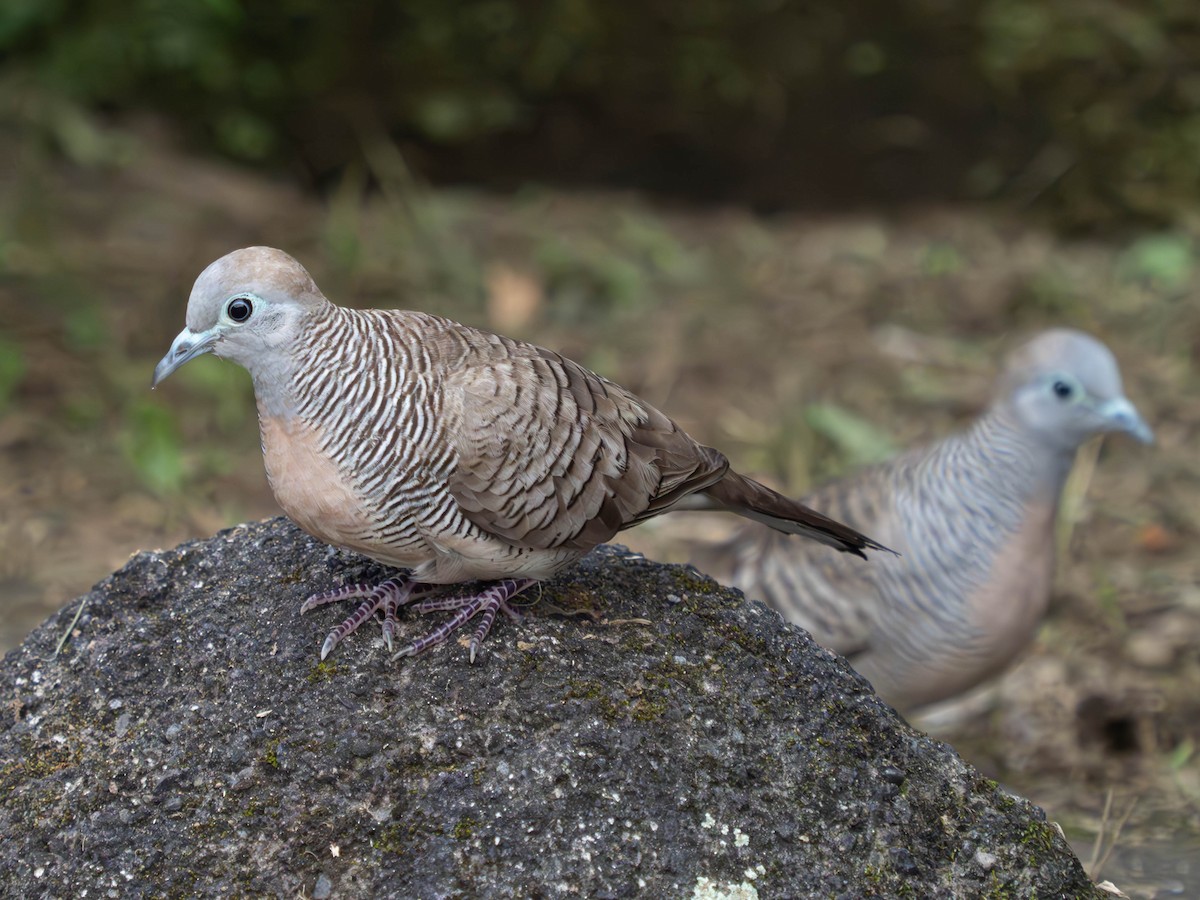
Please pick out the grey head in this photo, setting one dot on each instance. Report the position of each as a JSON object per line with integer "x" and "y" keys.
{"x": 249, "y": 306}
{"x": 1064, "y": 386}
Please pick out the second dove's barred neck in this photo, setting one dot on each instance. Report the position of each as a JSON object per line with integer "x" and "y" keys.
{"x": 972, "y": 517}
{"x": 949, "y": 559}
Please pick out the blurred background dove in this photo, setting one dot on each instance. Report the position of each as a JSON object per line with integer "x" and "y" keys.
{"x": 972, "y": 518}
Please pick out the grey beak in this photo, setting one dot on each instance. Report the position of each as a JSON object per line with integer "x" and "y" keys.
{"x": 1121, "y": 414}
{"x": 188, "y": 345}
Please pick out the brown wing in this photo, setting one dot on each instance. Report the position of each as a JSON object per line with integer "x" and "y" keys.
{"x": 551, "y": 455}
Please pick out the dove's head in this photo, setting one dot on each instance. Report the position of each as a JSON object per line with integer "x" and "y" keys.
{"x": 248, "y": 306}
{"x": 1065, "y": 386}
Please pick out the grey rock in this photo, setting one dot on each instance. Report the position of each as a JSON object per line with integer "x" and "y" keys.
{"x": 615, "y": 743}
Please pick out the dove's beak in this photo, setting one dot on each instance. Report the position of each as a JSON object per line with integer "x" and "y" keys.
{"x": 1122, "y": 416}
{"x": 188, "y": 345}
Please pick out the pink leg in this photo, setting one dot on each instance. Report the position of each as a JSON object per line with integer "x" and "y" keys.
{"x": 388, "y": 596}
{"x": 486, "y": 604}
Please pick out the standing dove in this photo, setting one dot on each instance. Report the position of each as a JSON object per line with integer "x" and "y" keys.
{"x": 447, "y": 451}
{"x": 972, "y": 518}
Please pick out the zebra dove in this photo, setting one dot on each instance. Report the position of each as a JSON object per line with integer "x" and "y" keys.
{"x": 972, "y": 519}
{"x": 448, "y": 451}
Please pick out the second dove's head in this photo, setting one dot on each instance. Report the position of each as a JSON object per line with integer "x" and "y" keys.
{"x": 1065, "y": 386}
{"x": 245, "y": 306}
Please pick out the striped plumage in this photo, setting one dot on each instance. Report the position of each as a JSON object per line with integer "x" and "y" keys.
{"x": 452, "y": 452}
{"x": 972, "y": 519}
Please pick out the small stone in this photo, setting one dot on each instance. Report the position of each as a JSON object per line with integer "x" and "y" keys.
{"x": 323, "y": 889}
{"x": 892, "y": 774}
{"x": 243, "y": 779}
{"x": 903, "y": 862}
{"x": 985, "y": 860}
{"x": 1148, "y": 650}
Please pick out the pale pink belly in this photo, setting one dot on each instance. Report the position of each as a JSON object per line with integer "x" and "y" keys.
{"x": 309, "y": 486}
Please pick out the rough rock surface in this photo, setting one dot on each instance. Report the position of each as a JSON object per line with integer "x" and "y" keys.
{"x": 643, "y": 732}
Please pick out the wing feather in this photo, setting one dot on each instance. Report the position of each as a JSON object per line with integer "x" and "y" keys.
{"x": 551, "y": 455}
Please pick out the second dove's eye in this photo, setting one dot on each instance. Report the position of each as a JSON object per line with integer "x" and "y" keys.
{"x": 1062, "y": 390}
{"x": 239, "y": 309}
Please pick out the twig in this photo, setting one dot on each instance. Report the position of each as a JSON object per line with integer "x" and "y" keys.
{"x": 1097, "y": 866}
{"x": 62, "y": 641}
{"x": 1075, "y": 491}
{"x": 1116, "y": 837}
{"x": 1099, "y": 842}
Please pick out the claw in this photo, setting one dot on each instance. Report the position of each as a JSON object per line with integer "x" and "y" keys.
{"x": 345, "y": 593}
{"x": 390, "y": 622}
{"x": 485, "y": 604}
{"x": 330, "y": 642}
{"x": 397, "y": 592}
{"x": 390, "y": 596}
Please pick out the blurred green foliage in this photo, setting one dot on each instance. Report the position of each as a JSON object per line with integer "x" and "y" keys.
{"x": 858, "y": 441}
{"x": 1165, "y": 260}
{"x": 12, "y": 369}
{"x": 1089, "y": 108}
{"x": 152, "y": 444}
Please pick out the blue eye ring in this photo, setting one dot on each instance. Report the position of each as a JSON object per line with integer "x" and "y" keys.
{"x": 239, "y": 309}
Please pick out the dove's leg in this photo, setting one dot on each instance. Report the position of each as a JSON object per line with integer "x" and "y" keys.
{"x": 493, "y": 599}
{"x": 388, "y": 596}
{"x": 394, "y": 593}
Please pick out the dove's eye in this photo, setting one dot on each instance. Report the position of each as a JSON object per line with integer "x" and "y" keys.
{"x": 239, "y": 309}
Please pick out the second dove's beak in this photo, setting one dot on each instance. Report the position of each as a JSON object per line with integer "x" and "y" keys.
{"x": 188, "y": 345}
{"x": 1121, "y": 414}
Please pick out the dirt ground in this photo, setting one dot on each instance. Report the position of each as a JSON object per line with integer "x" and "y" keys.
{"x": 749, "y": 331}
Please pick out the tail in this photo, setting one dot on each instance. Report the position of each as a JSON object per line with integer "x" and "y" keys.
{"x": 748, "y": 498}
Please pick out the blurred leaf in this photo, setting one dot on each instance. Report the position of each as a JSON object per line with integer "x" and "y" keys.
{"x": 85, "y": 328}
{"x": 861, "y": 441}
{"x": 151, "y": 443}
{"x": 651, "y": 239}
{"x": 83, "y": 140}
{"x": 941, "y": 258}
{"x": 12, "y": 369}
{"x": 1165, "y": 260}
{"x": 245, "y": 135}
{"x": 585, "y": 281}
{"x": 456, "y": 116}
{"x": 1048, "y": 294}
{"x": 865, "y": 58}
{"x": 1181, "y": 755}
{"x": 514, "y": 298}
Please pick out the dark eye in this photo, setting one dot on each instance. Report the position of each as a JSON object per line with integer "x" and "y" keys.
{"x": 239, "y": 309}
{"x": 1062, "y": 390}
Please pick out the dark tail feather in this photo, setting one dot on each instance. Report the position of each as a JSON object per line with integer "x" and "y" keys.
{"x": 748, "y": 498}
